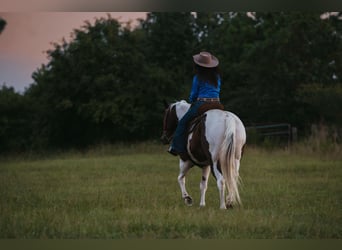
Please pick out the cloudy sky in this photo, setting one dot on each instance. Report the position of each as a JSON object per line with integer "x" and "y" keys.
{"x": 28, "y": 35}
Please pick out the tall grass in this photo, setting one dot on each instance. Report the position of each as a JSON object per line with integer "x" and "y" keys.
{"x": 124, "y": 192}
{"x": 324, "y": 141}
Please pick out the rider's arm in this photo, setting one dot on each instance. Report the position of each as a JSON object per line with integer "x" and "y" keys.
{"x": 194, "y": 90}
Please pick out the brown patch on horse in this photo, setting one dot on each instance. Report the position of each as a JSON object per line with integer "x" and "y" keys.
{"x": 199, "y": 146}
{"x": 173, "y": 119}
{"x": 170, "y": 122}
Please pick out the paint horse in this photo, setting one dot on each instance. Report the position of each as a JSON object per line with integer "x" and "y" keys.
{"x": 215, "y": 143}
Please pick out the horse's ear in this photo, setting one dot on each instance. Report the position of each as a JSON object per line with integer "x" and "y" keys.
{"x": 166, "y": 105}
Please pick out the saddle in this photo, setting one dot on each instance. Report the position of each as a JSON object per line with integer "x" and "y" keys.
{"x": 200, "y": 114}
{"x": 210, "y": 105}
{"x": 199, "y": 146}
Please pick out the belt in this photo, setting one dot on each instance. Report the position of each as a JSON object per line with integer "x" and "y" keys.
{"x": 208, "y": 99}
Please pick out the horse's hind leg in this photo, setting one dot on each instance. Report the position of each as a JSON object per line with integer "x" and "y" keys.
{"x": 204, "y": 184}
{"x": 220, "y": 185}
{"x": 184, "y": 167}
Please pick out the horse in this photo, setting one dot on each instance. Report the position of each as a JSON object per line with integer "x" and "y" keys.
{"x": 215, "y": 143}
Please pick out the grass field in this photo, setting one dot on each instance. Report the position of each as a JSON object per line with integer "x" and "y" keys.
{"x": 132, "y": 192}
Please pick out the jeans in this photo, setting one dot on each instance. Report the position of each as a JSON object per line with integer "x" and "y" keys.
{"x": 180, "y": 136}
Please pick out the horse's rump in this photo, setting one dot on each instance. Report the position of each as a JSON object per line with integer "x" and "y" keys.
{"x": 198, "y": 144}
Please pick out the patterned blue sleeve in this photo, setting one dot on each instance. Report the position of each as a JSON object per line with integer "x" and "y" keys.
{"x": 219, "y": 84}
{"x": 194, "y": 90}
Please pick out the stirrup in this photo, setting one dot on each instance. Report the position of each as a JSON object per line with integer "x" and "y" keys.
{"x": 172, "y": 151}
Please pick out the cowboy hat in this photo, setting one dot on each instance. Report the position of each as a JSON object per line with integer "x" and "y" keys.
{"x": 205, "y": 59}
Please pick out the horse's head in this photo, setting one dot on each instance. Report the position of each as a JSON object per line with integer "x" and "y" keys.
{"x": 170, "y": 122}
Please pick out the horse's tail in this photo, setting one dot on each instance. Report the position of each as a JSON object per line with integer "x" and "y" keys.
{"x": 228, "y": 160}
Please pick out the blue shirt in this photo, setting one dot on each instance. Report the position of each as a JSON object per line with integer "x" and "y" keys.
{"x": 204, "y": 89}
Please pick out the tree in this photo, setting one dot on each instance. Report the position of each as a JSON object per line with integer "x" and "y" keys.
{"x": 15, "y": 115}
{"x": 107, "y": 83}
{"x": 89, "y": 90}
{"x": 321, "y": 104}
{"x": 169, "y": 46}
{"x": 267, "y": 57}
{"x": 2, "y": 24}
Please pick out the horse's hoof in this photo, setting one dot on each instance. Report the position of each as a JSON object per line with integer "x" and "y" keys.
{"x": 229, "y": 206}
{"x": 188, "y": 201}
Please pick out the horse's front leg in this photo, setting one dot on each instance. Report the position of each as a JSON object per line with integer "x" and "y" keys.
{"x": 204, "y": 184}
{"x": 184, "y": 167}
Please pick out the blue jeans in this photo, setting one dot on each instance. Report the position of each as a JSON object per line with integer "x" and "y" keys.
{"x": 180, "y": 138}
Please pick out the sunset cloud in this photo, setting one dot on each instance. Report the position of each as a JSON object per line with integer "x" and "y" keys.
{"x": 28, "y": 35}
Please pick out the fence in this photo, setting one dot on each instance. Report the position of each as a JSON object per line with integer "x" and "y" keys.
{"x": 281, "y": 131}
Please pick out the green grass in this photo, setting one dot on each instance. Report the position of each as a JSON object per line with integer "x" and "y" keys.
{"x": 130, "y": 192}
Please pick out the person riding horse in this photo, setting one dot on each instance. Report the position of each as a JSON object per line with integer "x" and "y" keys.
{"x": 214, "y": 141}
{"x": 206, "y": 87}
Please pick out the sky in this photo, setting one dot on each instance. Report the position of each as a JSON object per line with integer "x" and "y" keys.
{"x": 28, "y": 35}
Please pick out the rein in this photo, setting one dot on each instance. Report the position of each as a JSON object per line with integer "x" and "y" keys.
{"x": 165, "y": 119}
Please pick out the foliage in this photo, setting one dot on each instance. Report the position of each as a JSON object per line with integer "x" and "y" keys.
{"x": 2, "y": 24}
{"x": 15, "y": 113}
{"x": 321, "y": 104}
{"x": 284, "y": 52}
{"x": 107, "y": 83}
{"x": 323, "y": 140}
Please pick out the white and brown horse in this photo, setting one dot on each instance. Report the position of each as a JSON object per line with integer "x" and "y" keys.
{"x": 215, "y": 143}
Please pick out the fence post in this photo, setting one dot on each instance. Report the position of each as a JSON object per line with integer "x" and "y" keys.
{"x": 294, "y": 134}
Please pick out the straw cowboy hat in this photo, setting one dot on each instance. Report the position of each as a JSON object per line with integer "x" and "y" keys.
{"x": 205, "y": 59}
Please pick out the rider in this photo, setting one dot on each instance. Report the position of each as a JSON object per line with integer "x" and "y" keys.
{"x": 206, "y": 86}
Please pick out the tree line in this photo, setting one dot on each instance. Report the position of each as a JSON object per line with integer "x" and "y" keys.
{"x": 107, "y": 83}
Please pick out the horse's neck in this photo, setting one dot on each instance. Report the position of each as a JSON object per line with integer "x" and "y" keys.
{"x": 181, "y": 108}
